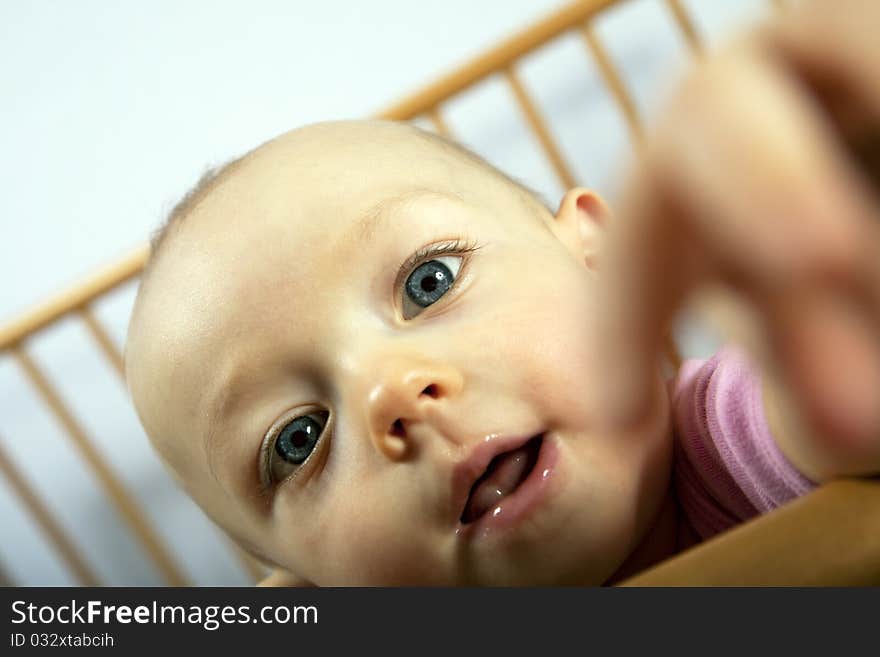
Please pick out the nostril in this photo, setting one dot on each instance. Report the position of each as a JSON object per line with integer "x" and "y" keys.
{"x": 397, "y": 429}
{"x": 431, "y": 391}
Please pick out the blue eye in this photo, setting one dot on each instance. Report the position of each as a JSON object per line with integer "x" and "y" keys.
{"x": 298, "y": 438}
{"x": 428, "y": 282}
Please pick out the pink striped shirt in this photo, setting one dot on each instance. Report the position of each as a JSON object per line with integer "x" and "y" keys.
{"x": 727, "y": 465}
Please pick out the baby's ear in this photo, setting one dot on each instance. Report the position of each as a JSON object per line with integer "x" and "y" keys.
{"x": 283, "y": 578}
{"x": 581, "y": 222}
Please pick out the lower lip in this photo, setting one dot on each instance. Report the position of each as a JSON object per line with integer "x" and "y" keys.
{"x": 520, "y": 504}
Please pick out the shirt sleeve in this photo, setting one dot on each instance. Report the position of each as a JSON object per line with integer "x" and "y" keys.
{"x": 728, "y": 467}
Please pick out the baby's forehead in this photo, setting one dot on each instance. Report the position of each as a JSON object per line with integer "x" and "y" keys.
{"x": 332, "y": 171}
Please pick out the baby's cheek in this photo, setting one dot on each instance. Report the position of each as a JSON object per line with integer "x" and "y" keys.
{"x": 372, "y": 541}
{"x": 559, "y": 363}
{"x": 362, "y": 522}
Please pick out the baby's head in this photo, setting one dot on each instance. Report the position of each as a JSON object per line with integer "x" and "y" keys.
{"x": 338, "y": 333}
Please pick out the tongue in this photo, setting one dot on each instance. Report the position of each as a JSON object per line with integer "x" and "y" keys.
{"x": 504, "y": 474}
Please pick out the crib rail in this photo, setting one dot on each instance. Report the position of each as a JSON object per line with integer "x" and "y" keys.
{"x": 18, "y": 334}
{"x": 77, "y": 297}
{"x": 830, "y": 537}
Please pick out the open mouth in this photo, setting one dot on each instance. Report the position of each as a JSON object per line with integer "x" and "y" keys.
{"x": 502, "y": 477}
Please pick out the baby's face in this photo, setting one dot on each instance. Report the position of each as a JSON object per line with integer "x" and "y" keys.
{"x": 345, "y": 333}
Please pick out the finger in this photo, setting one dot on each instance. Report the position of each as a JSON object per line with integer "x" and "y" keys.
{"x": 826, "y": 238}
{"x": 799, "y": 219}
{"x": 828, "y": 340}
{"x": 759, "y": 172}
{"x": 743, "y": 173}
{"x": 865, "y": 150}
{"x": 829, "y": 353}
{"x": 833, "y": 47}
{"x": 647, "y": 267}
{"x": 687, "y": 194}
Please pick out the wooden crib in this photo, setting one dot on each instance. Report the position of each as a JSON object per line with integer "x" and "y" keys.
{"x": 829, "y": 537}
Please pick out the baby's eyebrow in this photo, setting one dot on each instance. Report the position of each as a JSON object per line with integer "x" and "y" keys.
{"x": 366, "y": 227}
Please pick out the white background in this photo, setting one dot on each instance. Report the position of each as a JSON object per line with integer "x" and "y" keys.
{"x": 111, "y": 111}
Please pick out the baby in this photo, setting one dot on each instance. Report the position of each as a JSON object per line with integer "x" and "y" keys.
{"x": 374, "y": 359}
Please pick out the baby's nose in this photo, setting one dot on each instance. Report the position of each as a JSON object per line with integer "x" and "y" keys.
{"x": 402, "y": 391}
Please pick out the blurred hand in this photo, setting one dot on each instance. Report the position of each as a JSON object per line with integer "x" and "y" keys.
{"x": 762, "y": 175}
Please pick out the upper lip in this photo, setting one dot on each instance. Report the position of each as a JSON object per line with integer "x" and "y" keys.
{"x": 466, "y": 472}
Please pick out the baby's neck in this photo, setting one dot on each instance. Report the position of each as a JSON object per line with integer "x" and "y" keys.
{"x": 660, "y": 542}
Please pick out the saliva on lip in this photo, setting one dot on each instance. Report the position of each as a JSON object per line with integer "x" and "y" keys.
{"x": 497, "y": 511}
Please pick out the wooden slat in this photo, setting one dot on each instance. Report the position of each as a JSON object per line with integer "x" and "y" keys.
{"x": 683, "y": 20}
{"x": 494, "y": 60}
{"x": 38, "y": 511}
{"x": 439, "y": 124}
{"x": 121, "y": 499}
{"x": 536, "y": 123}
{"x": 81, "y": 293}
{"x": 108, "y": 348}
{"x": 615, "y": 84}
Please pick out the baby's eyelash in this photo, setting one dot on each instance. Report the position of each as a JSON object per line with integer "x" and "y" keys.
{"x": 456, "y": 246}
